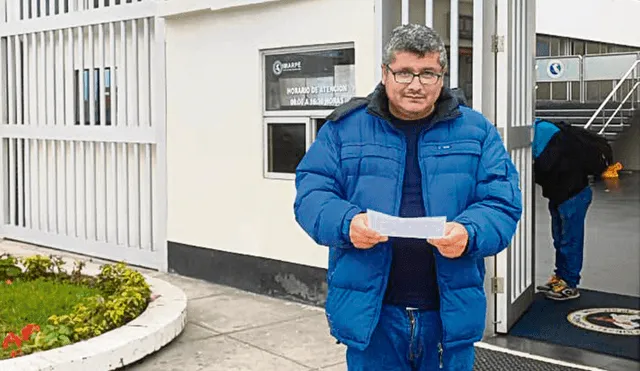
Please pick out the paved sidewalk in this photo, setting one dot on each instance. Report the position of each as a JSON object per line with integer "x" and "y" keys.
{"x": 229, "y": 329}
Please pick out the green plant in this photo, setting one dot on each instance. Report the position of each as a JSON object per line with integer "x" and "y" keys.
{"x": 122, "y": 295}
{"x": 9, "y": 269}
{"x": 37, "y": 266}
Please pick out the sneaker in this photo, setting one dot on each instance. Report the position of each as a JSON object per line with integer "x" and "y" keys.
{"x": 561, "y": 291}
{"x": 554, "y": 280}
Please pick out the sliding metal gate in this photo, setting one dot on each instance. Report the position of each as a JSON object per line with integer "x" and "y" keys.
{"x": 82, "y": 116}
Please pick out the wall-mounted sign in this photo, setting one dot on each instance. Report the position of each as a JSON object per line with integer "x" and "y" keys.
{"x": 555, "y": 69}
{"x": 315, "y": 80}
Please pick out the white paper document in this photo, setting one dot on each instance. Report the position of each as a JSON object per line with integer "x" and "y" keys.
{"x": 393, "y": 226}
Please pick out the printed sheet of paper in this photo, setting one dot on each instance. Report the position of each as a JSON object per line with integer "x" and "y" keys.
{"x": 393, "y": 226}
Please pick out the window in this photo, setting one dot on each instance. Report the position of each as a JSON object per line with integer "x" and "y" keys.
{"x": 559, "y": 91}
{"x": 542, "y": 46}
{"x": 286, "y": 140}
{"x": 543, "y": 91}
{"x": 86, "y": 97}
{"x": 301, "y": 87}
{"x": 317, "y": 124}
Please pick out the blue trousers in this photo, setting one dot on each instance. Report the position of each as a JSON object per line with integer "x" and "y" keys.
{"x": 567, "y": 229}
{"x": 409, "y": 340}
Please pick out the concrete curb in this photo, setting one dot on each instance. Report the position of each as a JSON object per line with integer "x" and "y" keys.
{"x": 162, "y": 321}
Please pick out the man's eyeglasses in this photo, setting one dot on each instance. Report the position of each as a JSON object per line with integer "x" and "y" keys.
{"x": 406, "y": 77}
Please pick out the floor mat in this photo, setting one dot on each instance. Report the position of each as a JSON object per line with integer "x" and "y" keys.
{"x": 596, "y": 321}
{"x": 493, "y": 360}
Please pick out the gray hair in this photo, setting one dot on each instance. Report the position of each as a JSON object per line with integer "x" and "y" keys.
{"x": 417, "y": 39}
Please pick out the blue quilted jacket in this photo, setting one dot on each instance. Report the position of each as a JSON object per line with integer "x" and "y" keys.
{"x": 357, "y": 162}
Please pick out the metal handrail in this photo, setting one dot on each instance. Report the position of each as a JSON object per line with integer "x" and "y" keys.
{"x": 615, "y": 89}
{"x": 635, "y": 86}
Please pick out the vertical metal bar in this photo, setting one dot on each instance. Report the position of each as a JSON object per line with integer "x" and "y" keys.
{"x": 379, "y": 15}
{"x": 13, "y": 118}
{"x": 41, "y": 152}
{"x": 454, "y": 44}
{"x": 90, "y": 164}
{"x": 20, "y": 121}
{"x": 9, "y": 172}
{"x": 101, "y": 167}
{"x": 112, "y": 235}
{"x": 25, "y": 114}
{"x": 35, "y": 144}
{"x": 52, "y": 189}
{"x": 146, "y": 216}
{"x": 12, "y": 180}
{"x": 3, "y": 120}
{"x": 28, "y": 118}
{"x": 134, "y": 160}
{"x": 70, "y": 148}
{"x": 59, "y": 146}
{"x": 122, "y": 75}
{"x": 520, "y": 67}
{"x": 582, "y": 81}
{"x": 80, "y": 150}
{"x": 405, "y": 11}
{"x": 428, "y": 12}
{"x": 11, "y": 80}
{"x": 4, "y": 115}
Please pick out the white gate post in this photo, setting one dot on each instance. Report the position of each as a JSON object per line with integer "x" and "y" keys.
{"x": 4, "y": 169}
{"x": 159, "y": 119}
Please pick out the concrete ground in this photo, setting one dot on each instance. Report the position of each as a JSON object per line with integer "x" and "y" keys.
{"x": 233, "y": 330}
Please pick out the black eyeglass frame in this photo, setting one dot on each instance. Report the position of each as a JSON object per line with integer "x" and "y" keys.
{"x": 430, "y": 75}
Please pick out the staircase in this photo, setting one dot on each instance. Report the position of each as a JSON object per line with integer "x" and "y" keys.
{"x": 578, "y": 114}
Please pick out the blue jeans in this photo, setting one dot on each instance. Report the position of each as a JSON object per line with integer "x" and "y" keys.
{"x": 409, "y": 340}
{"x": 567, "y": 229}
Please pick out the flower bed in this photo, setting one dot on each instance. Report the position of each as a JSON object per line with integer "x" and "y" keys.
{"x": 83, "y": 306}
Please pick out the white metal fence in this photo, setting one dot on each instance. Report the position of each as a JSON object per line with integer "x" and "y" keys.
{"x": 83, "y": 126}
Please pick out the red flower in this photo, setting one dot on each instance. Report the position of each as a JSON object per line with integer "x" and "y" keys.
{"x": 28, "y": 330}
{"x": 15, "y": 353}
{"x": 11, "y": 338}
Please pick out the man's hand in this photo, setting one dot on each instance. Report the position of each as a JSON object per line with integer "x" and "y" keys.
{"x": 454, "y": 241}
{"x": 361, "y": 235}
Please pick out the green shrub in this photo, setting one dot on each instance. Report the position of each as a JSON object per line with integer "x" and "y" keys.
{"x": 123, "y": 295}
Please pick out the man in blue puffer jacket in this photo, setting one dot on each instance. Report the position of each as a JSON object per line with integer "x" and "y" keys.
{"x": 409, "y": 149}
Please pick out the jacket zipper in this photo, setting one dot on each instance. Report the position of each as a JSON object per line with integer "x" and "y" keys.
{"x": 413, "y": 328}
{"x": 403, "y": 161}
{"x": 435, "y": 258}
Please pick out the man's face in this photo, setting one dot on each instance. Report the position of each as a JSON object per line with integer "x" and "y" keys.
{"x": 415, "y": 99}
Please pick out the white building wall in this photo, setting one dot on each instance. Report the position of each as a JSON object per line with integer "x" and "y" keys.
{"x": 609, "y": 21}
{"x": 218, "y": 197}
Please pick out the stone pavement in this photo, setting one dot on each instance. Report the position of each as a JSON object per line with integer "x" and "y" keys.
{"x": 229, "y": 329}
